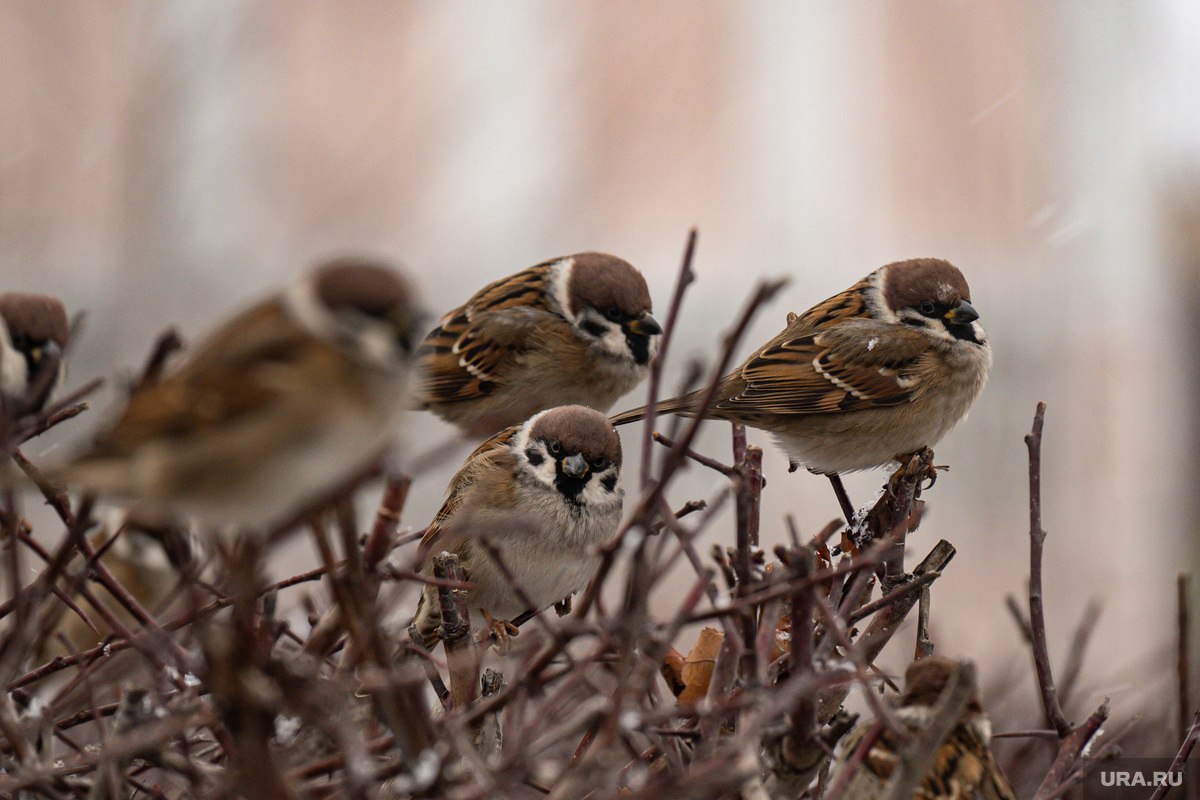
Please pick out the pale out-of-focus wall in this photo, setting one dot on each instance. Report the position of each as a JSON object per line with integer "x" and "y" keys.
{"x": 162, "y": 163}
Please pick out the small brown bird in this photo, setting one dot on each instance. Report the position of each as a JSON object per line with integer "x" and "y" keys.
{"x": 147, "y": 564}
{"x": 545, "y": 495}
{"x": 883, "y": 369}
{"x": 963, "y": 767}
{"x": 33, "y": 338}
{"x": 275, "y": 408}
{"x": 574, "y": 330}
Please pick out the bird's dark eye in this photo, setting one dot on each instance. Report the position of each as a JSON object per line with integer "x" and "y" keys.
{"x": 599, "y": 463}
{"x": 555, "y": 447}
{"x": 614, "y": 314}
{"x": 927, "y": 308}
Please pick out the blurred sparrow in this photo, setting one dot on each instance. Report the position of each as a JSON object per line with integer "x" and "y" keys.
{"x": 274, "y": 409}
{"x": 545, "y": 496}
{"x": 573, "y": 330}
{"x": 963, "y": 766}
{"x": 146, "y": 563}
{"x": 883, "y": 369}
{"x": 33, "y": 336}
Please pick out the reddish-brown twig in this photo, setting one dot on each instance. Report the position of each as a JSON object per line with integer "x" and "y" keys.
{"x": 461, "y": 656}
{"x": 1183, "y": 670}
{"x": 59, "y": 411}
{"x": 885, "y": 624}
{"x": 166, "y": 345}
{"x": 1185, "y": 749}
{"x": 918, "y": 583}
{"x": 1079, "y": 642}
{"x": 747, "y": 462}
{"x": 699, "y": 458}
{"x": 1037, "y": 613}
{"x": 1069, "y": 753}
{"x": 685, "y": 279}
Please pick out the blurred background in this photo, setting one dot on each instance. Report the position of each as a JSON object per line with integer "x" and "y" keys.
{"x": 163, "y": 164}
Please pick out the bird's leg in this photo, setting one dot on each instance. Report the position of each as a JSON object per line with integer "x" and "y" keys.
{"x": 842, "y": 497}
{"x": 918, "y": 463}
{"x": 498, "y": 631}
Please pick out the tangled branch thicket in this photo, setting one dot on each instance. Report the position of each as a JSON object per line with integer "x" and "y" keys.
{"x": 210, "y": 693}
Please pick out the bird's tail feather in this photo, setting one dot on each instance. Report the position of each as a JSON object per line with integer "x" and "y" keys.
{"x": 684, "y": 406}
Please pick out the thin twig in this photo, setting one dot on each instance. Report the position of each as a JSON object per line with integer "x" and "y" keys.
{"x": 461, "y": 656}
{"x": 1069, "y": 752}
{"x": 748, "y": 498}
{"x": 1079, "y": 642}
{"x": 1185, "y": 749}
{"x": 166, "y": 345}
{"x": 685, "y": 279}
{"x": 1183, "y": 670}
{"x": 60, "y": 411}
{"x": 699, "y": 458}
{"x": 918, "y": 583}
{"x": 1037, "y": 613}
{"x": 885, "y": 624}
{"x": 924, "y": 645}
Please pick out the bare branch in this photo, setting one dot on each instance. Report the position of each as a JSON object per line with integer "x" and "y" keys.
{"x": 1185, "y": 749}
{"x": 682, "y": 282}
{"x": 1069, "y": 753}
{"x": 1037, "y": 614}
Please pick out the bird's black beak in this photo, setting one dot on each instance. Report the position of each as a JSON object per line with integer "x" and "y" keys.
{"x": 644, "y": 325}
{"x": 575, "y": 465}
{"x": 962, "y": 314}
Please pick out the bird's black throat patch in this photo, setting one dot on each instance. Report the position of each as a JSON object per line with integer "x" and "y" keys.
{"x": 964, "y": 332}
{"x": 639, "y": 346}
{"x": 570, "y": 486}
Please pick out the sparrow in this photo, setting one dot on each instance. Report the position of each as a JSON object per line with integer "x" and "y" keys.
{"x": 544, "y": 494}
{"x": 880, "y": 370}
{"x": 33, "y": 338}
{"x": 273, "y": 410}
{"x": 964, "y": 766}
{"x": 147, "y": 564}
{"x": 573, "y": 330}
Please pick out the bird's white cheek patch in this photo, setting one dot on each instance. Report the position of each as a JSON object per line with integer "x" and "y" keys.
{"x": 547, "y": 472}
{"x": 602, "y": 489}
{"x": 541, "y": 464}
{"x": 378, "y": 345}
{"x": 614, "y": 343}
{"x": 13, "y": 379}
